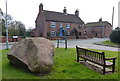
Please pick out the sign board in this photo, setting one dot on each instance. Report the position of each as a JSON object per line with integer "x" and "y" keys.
{"x": 61, "y": 41}
{"x": 15, "y": 37}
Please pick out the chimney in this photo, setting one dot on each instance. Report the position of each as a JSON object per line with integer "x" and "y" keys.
{"x": 65, "y": 10}
{"x": 40, "y": 7}
{"x": 77, "y": 12}
{"x": 100, "y": 20}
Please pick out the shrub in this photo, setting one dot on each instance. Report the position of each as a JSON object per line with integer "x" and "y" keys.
{"x": 115, "y": 36}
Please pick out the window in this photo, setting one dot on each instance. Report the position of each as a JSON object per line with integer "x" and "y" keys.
{"x": 53, "y": 33}
{"x": 67, "y": 26}
{"x": 53, "y": 24}
{"x": 60, "y": 25}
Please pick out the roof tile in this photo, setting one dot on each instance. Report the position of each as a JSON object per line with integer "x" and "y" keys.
{"x": 61, "y": 17}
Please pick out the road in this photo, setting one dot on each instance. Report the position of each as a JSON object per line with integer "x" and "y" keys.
{"x": 84, "y": 43}
{"x": 87, "y": 43}
{"x": 3, "y": 45}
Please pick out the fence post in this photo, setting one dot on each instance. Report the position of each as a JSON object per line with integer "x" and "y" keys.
{"x": 58, "y": 43}
{"x": 65, "y": 43}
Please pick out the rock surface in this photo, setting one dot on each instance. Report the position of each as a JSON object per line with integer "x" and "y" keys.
{"x": 34, "y": 53}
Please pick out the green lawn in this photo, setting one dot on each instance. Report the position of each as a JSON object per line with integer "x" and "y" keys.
{"x": 0, "y": 64}
{"x": 65, "y": 67}
{"x": 109, "y": 43}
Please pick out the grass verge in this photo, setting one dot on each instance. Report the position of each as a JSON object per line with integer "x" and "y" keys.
{"x": 65, "y": 67}
{"x": 0, "y": 64}
{"x": 109, "y": 43}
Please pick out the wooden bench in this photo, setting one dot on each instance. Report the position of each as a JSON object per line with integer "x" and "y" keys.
{"x": 95, "y": 57}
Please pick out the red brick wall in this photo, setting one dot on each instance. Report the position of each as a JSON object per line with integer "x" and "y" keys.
{"x": 88, "y": 32}
{"x": 108, "y": 30}
{"x": 40, "y": 25}
{"x": 98, "y": 31}
{"x": 57, "y": 28}
{"x": 3, "y": 39}
{"x": 44, "y": 27}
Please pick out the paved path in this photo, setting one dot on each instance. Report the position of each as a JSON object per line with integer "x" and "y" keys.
{"x": 84, "y": 43}
{"x": 3, "y": 45}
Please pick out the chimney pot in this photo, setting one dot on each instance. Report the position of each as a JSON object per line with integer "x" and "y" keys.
{"x": 65, "y": 10}
{"x": 77, "y": 12}
{"x": 100, "y": 20}
{"x": 40, "y": 7}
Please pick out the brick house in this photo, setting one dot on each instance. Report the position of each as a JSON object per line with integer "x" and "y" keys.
{"x": 98, "y": 29}
{"x": 53, "y": 24}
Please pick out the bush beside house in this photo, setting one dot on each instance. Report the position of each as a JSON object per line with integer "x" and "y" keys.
{"x": 115, "y": 36}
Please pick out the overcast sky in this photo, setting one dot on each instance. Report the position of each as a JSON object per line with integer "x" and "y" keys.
{"x": 89, "y": 10}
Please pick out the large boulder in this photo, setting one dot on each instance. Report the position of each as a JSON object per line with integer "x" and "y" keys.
{"x": 34, "y": 53}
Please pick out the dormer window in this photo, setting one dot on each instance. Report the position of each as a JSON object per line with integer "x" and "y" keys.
{"x": 53, "y": 24}
{"x": 67, "y": 26}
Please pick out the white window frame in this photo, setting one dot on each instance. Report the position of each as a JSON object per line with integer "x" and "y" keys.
{"x": 53, "y": 24}
{"x": 67, "y": 25}
{"x": 53, "y": 33}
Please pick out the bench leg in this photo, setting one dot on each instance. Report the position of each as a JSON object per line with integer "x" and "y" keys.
{"x": 77, "y": 58}
{"x": 113, "y": 66}
{"x": 103, "y": 69}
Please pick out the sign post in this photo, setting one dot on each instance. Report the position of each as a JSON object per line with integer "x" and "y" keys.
{"x": 64, "y": 38}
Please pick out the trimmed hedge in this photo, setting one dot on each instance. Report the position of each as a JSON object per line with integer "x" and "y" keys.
{"x": 115, "y": 36}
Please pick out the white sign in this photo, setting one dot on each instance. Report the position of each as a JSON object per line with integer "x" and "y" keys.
{"x": 15, "y": 37}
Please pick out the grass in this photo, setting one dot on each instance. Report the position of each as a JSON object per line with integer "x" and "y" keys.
{"x": 65, "y": 67}
{"x": 11, "y": 72}
{"x": 0, "y": 64}
{"x": 110, "y": 43}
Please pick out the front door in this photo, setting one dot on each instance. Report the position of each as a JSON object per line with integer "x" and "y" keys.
{"x": 74, "y": 32}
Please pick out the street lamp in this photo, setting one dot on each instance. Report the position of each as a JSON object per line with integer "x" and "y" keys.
{"x": 6, "y": 27}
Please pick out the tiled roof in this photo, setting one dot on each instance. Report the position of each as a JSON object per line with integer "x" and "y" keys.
{"x": 61, "y": 17}
{"x": 97, "y": 24}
